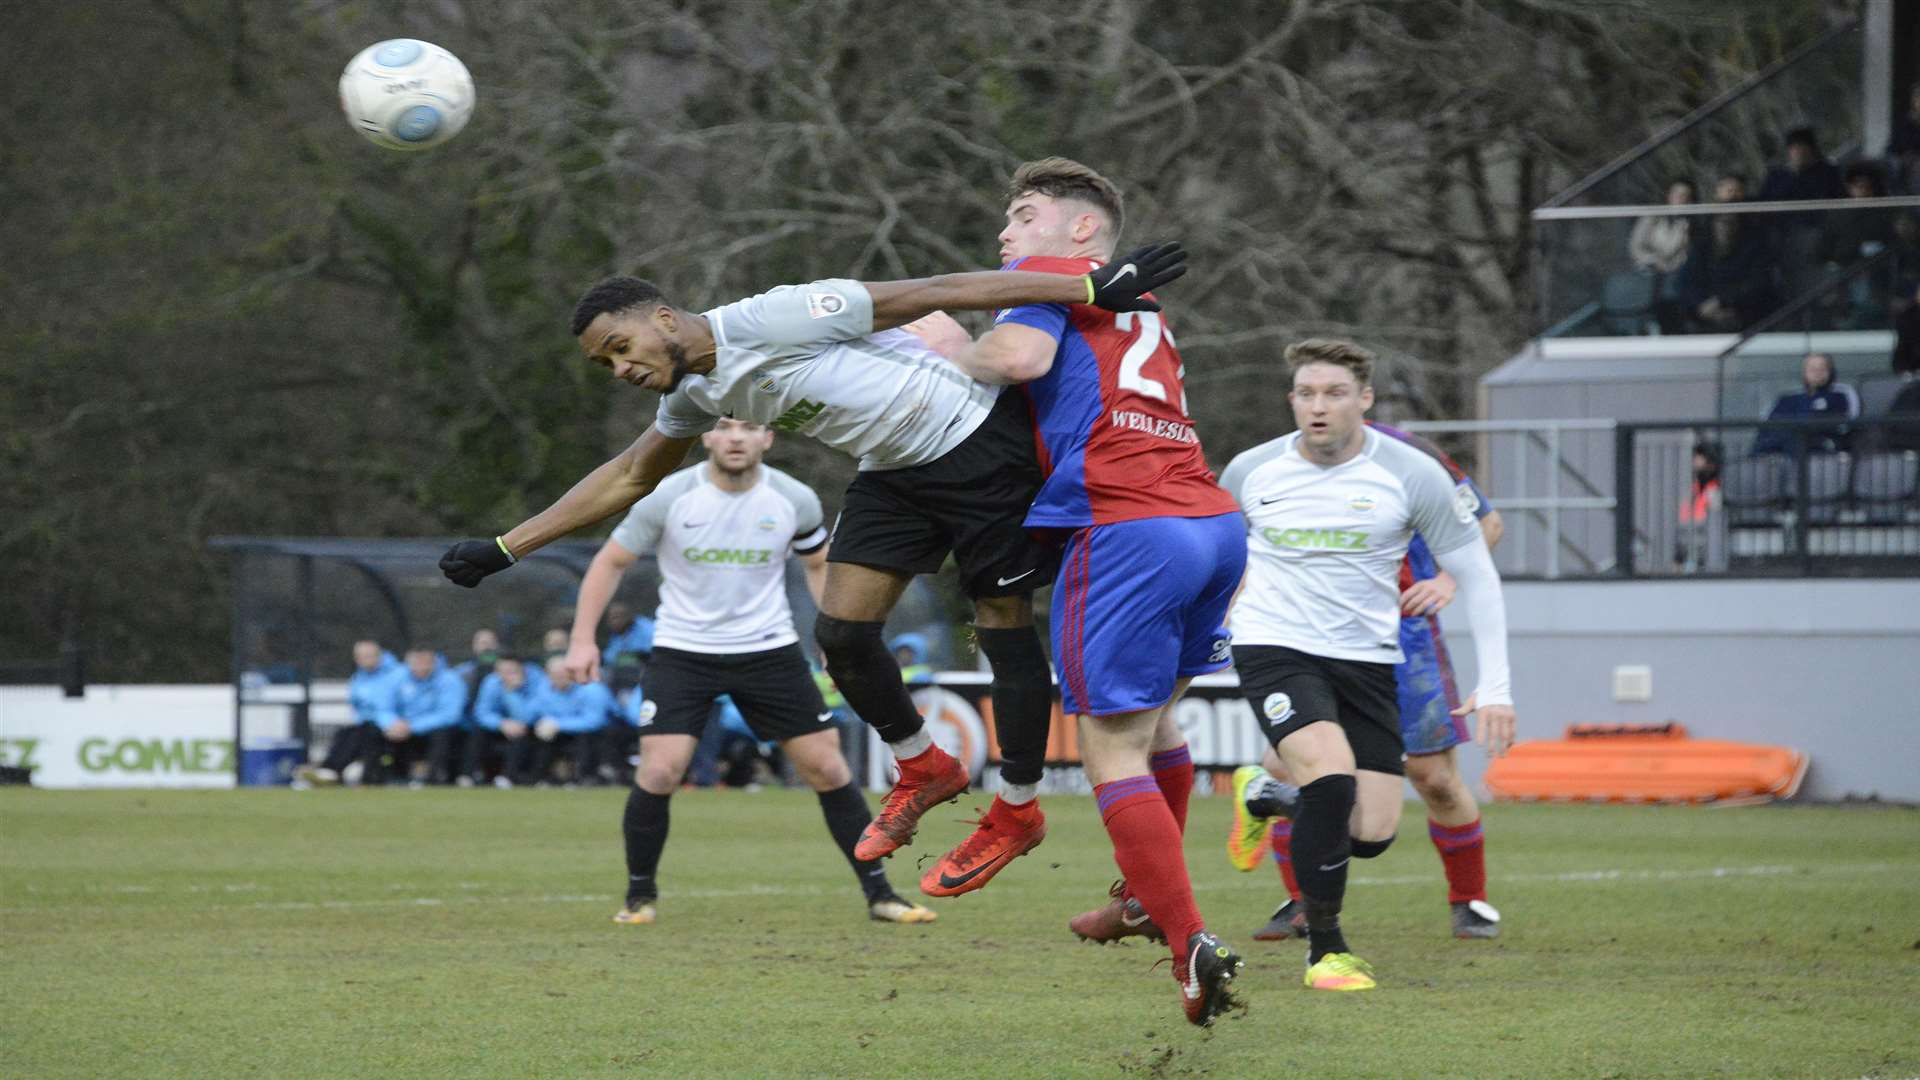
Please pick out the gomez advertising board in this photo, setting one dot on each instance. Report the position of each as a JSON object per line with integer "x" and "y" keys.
{"x": 120, "y": 736}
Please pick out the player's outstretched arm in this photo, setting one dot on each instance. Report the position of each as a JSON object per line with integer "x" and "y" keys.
{"x": 596, "y": 591}
{"x": 1492, "y": 701}
{"x": 605, "y": 491}
{"x": 1120, "y": 285}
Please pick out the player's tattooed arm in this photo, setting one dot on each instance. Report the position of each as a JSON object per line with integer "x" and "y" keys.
{"x": 605, "y": 491}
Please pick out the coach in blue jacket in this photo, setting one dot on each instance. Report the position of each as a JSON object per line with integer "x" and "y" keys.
{"x": 422, "y": 715}
{"x": 375, "y": 670}
{"x": 504, "y": 712}
{"x": 572, "y": 715}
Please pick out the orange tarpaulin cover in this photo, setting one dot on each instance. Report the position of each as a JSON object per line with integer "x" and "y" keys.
{"x": 1650, "y": 763}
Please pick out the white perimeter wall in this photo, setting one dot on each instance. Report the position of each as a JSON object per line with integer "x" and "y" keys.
{"x": 1830, "y": 668}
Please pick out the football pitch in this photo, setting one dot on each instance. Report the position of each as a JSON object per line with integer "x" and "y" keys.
{"x": 401, "y": 933}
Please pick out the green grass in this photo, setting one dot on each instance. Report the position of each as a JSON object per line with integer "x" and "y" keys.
{"x": 465, "y": 933}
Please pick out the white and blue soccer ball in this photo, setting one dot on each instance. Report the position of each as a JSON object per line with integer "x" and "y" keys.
{"x": 406, "y": 95}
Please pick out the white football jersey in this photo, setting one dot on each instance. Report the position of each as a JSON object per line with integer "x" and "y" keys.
{"x": 805, "y": 359}
{"x": 723, "y": 557}
{"x": 1324, "y": 545}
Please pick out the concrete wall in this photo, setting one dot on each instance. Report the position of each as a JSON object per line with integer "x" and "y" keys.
{"x": 1829, "y": 668}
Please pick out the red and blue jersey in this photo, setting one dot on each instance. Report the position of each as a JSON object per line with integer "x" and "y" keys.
{"x": 1110, "y": 417}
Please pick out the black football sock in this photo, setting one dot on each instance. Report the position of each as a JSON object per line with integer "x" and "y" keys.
{"x": 645, "y": 827}
{"x": 847, "y": 816}
{"x": 1322, "y": 846}
{"x": 868, "y": 676}
{"x": 1022, "y": 701}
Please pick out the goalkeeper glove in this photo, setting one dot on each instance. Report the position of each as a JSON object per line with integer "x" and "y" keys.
{"x": 1123, "y": 284}
{"x": 466, "y": 562}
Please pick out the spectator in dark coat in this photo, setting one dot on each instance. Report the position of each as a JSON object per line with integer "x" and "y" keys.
{"x": 1903, "y": 148}
{"x": 1806, "y": 175}
{"x": 1729, "y": 273}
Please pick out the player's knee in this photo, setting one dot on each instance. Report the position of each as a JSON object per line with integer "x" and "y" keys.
{"x": 658, "y": 778}
{"x": 828, "y": 775}
{"x": 1371, "y": 849}
{"x": 848, "y": 643}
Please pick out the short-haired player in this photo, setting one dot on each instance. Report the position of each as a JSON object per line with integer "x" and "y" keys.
{"x": 723, "y": 532}
{"x": 1153, "y": 551}
{"x": 1330, "y": 511}
{"x": 1432, "y": 724}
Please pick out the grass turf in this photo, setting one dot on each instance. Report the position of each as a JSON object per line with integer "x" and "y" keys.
{"x": 466, "y": 933}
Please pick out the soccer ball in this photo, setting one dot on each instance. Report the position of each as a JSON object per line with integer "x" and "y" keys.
{"x": 406, "y": 95}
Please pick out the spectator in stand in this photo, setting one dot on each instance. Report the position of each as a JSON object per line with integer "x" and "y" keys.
{"x": 1701, "y": 507}
{"x": 375, "y": 670}
{"x": 1728, "y": 276}
{"x": 504, "y": 711}
{"x": 1903, "y": 270}
{"x": 554, "y": 643}
{"x": 422, "y": 717}
{"x": 1903, "y": 148}
{"x": 910, "y": 650}
{"x": 486, "y": 650}
{"x": 1820, "y": 397}
{"x": 1797, "y": 237}
{"x": 572, "y": 716}
{"x": 1905, "y": 406}
{"x": 1659, "y": 247}
{"x": 1853, "y": 235}
{"x": 1806, "y": 175}
{"x": 629, "y": 646}
{"x": 1906, "y": 342}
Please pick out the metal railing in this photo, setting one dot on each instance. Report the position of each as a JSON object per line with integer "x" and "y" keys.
{"x": 1603, "y": 499}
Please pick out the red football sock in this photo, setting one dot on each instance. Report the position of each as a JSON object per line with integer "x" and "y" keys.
{"x": 1146, "y": 845}
{"x": 1173, "y": 771}
{"x": 1463, "y": 851}
{"x": 1283, "y": 856}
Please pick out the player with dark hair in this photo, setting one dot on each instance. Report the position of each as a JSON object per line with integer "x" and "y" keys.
{"x": 946, "y": 465}
{"x": 1154, "y": 549}
{"x": 1432, "y": 724}
{"x": 1330, "y": 511}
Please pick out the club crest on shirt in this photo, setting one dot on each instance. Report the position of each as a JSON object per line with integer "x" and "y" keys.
{"x": 1466, "y": 504}
{"x": 821, "y": 305}
{"x": 767, "y": 524}
{"x": 1361, "y": 504}
{"x": 1277, "y": 707}
{"x": 767, "y": 386}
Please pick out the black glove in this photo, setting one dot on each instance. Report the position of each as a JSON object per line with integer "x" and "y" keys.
{"x": 1122, "y": 284}
{"x": 466, "y": 562}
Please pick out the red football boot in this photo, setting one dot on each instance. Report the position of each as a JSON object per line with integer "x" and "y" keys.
{"x": 1004, "y": 833}
{"x": 926, "y": 781}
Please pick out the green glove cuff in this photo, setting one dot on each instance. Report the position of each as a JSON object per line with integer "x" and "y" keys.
{"x": 501, "y": 541}
{"x": 1089, "y": 280}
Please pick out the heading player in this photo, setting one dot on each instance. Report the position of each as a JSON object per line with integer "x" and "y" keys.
{"x": 723, "y": 531}
{"x": 946, "y": 464}
{"x": 1154, "y": 548}
{"x": 1330, "y": 510}
{"x": 1432, "y": 723}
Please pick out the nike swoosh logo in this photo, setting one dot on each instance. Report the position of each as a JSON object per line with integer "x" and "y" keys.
{"x": 1275, "y": 499}
{"x": 824, "y": 717}
{"x": 1124, "y": 271}
{"x": 1339, "y": 864}
{"x": 694, "y": 525}
{"x": 947, "y": 882}
{"x": 1014, "y": 578}
{"x": 1124, "y": 921}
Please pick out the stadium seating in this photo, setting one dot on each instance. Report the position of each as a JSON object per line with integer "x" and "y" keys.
{"x": 1828, "y": 478}
{"x": 1754, "y": 492}
{"x": 1886, "y": 487}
